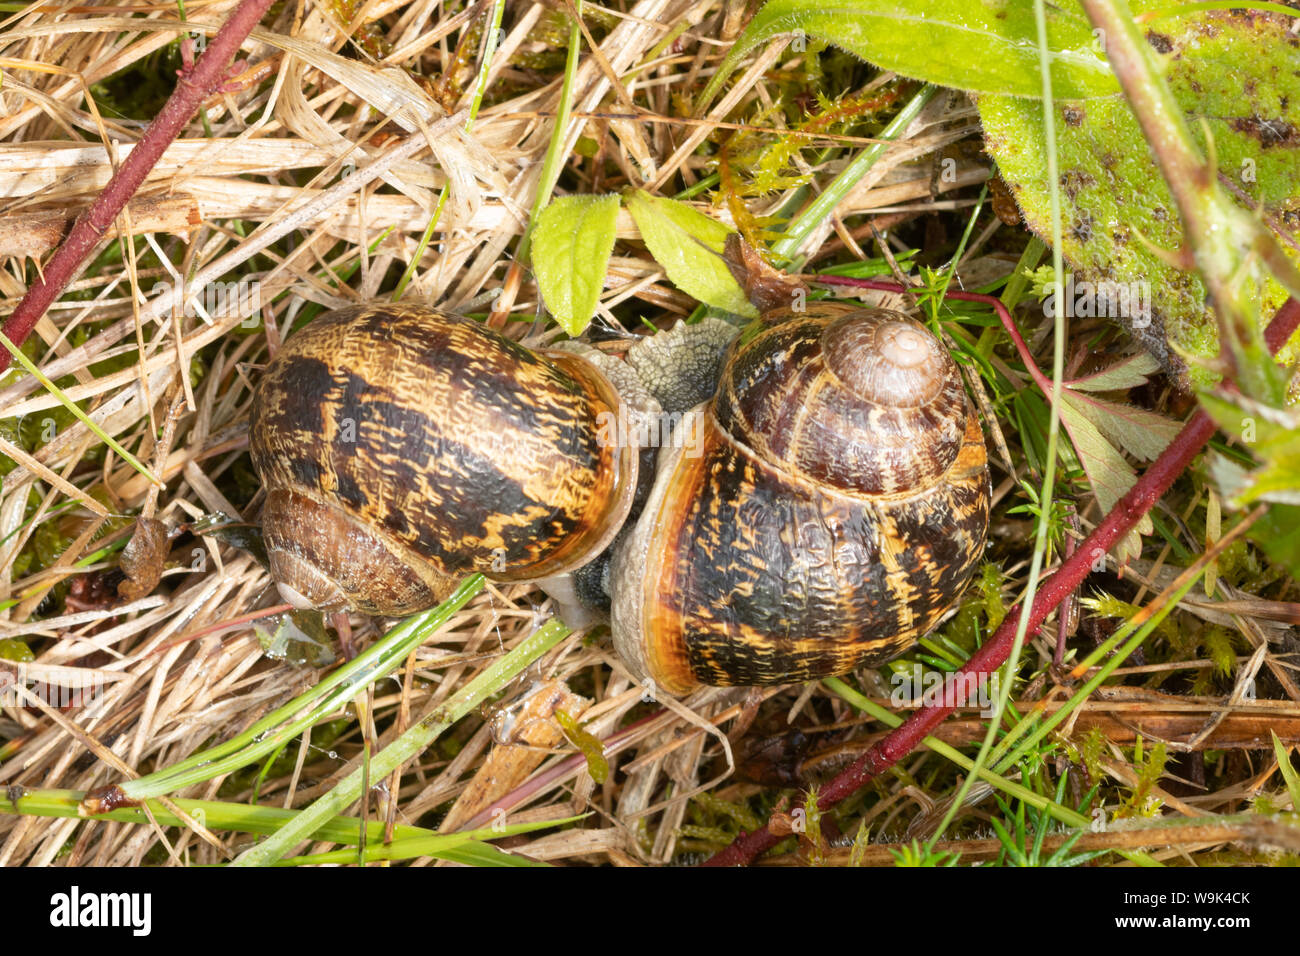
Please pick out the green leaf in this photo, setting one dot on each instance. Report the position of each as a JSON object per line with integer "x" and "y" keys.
{"x": 1126, "y": 373}
{"x": 1288, "y": 772}
{"x": 1108, "y": 473}
{"x": 12, "y": 649}
{"x": 1272, "y": 435}
{"x": 591, "y": 746}
{"x": 1115, "y": 203}
{"x": 571, "y": 246}
{"x": 688, "y": 244}
{"x": 1134, "y": 430}
{"x": 1100, "y": 431}
{"x": 1278, "y": 536}
{"x": 984, "y": 47}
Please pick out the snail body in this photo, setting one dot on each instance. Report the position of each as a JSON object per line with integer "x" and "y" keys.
{"x": 404, "y": 447}
{"x": 820, "y": 508}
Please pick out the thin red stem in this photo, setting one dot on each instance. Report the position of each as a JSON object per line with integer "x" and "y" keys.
{"x": 1008, "y": 323}
{"x": 540, "y": 783}
{"x": 1128, "y": 511}
{"x": 192, "y": 88}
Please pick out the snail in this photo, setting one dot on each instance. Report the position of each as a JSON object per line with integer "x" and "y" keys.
{"x": 819, "y": 503}
{"x": 402, "y": 448}
{"x": 835, "y": 511}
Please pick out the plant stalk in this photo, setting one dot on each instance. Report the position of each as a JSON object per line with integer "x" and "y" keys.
{"x": 192, "y": 88}
{"x": 408, "y": 745}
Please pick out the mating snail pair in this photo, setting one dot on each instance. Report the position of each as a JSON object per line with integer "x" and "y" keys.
{"x": 829, "y": 510}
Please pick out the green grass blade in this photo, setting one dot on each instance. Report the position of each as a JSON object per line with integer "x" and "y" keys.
{"x": 408, "y": 745}
{"x": 285, "y": 723}
{"x": 71, "y": 406}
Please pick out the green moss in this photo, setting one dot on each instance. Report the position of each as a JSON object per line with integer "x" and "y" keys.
{"x": 12, "y": 649}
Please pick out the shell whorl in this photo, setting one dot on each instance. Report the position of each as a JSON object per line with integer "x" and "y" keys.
{"x": 891, "y": 362}
{"x": 863, "y": 400}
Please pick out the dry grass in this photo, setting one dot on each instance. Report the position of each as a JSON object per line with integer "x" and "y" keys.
{"x": 182, "y": 667}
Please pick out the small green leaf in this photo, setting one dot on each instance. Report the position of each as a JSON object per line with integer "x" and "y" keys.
{"x": 1100, "y": 431}
{"x": 1278, "y": 535}
{"x": 1126, "y": 373}
{"x": 588, "y": 743}
{"x": 12, "y": 649}
{"x": 1108, "y": 473}
{"x": 688, "y": 244}
{"x": 1131, "y": 429}
{"x": 981, "y": 47}
{"x": 1288, "y": 772}
{"x": 1273, "y": 437}
{"x": 571, "y": 246}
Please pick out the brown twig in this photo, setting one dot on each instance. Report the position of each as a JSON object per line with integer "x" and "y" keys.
{"x": 1192, "y": 833}
{"x": 1128, "y": 511}
{"x": 193, "y": 86}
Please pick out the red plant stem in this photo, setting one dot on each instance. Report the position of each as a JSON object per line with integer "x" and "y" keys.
{"x": 1128, "y": 511}
{"x": 1018, "y": 340}
{"x": 193, "y": 86}
{"x": 539, "y": 783}
{"x": 226, "y": 625}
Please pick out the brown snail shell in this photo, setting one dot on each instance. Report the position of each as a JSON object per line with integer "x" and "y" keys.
{"x": 835, "y": 510}
{"x": 403, "y": 447}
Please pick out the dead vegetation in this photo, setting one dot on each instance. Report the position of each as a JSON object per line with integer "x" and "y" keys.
{"x": 271, "y": 189}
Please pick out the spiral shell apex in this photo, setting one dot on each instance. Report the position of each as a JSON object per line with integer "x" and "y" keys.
{"x": 842, "y": 396}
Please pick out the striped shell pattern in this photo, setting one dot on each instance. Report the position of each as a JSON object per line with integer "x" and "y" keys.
{"x": 403, "y": 447}
{"x": 833, "y": 512}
